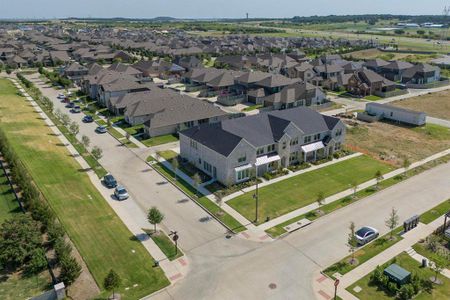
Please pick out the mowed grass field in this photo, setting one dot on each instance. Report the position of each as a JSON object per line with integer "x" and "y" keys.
{"x": 99, "y": 235}
{"x": 394, "y": 142}
{"x": 435, "y": 104}
{"x": 282, "y": 197}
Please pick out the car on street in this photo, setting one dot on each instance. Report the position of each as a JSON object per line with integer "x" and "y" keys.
{"x": 121, "y": 193}
{"x": 366, "y": 234}
{"x": 110, "y": 181}
{"x": 87, "y": 119}
{"x": 61, "y": 96}
{"x": 70, "y": 105}
{"x": 101, "y": 129}
{"x": 76, "y": 109}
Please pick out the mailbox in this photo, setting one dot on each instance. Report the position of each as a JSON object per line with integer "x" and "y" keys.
{"x": 410, "y": 223}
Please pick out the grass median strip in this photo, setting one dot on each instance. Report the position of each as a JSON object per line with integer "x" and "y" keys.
{"x": 287, "y": 195}
{"x": 165, "y": 244}
{"x": 204, "y": 201}
{"x": 98, "y": 233}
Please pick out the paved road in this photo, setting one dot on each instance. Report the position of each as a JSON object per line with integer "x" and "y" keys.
{"x": 146, "y": 186}
{"x": 242, "y": 272}
{"x": 235, "y": 268}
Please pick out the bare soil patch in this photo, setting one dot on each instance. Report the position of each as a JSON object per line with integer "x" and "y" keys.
{"x": 433, "y": 104}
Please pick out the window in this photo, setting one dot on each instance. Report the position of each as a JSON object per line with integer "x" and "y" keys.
{"x": 317, "y": 137}
{"x": 200, "y": 161}
{"x": 337, "y": 146}
{"x": 307, "y": 139}
{"x": 242, "y": 175}
{"x": 189, "y": 124}
{"x": 293, "y": 157}
{"x": 284, "y": 145}
{"x": 242, "y": 159}
{"x": 271, "y": 148}
{"x": 207, "y": 167}
{"x": 338, "y": 132}
{"x": 193, "y": 144}
{"x": 294, "y": 141}
{"x": 392, "y": 114}
{"x": 259, "y": 151}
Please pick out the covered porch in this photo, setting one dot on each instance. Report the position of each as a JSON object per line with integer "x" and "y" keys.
{"x": 267, "y": 163}
{"x": 314, "y": 151}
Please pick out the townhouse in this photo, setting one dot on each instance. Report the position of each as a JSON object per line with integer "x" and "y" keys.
{"x": 234, "y": 150}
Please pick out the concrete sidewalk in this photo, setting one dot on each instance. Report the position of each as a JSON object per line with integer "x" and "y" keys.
{"x": 174, "y": 270}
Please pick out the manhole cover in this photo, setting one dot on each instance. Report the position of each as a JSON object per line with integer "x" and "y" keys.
{"x": 272, "y": 286}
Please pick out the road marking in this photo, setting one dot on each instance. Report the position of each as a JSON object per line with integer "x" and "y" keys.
{"x": 324, "y": 295}
{"x": 245, "y": 234}
{"x": 320, "y": 279}
{"x": 175, "y": 277}
{"x": 182, "y": 262}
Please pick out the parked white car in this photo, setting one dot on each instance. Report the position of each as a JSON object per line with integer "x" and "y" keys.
{"x": 366, "y": 234}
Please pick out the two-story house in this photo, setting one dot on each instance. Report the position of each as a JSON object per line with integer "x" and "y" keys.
{"x": 234, "y": 150}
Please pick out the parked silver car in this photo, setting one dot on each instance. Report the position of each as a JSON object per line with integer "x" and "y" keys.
{"x": 366, "y": 234}
{"x": 121, "y": 193}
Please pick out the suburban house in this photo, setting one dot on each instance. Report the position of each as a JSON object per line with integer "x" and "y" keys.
{"x": 394, "y": 70}
{"x": 233, "y": 150}
{"x": 163, "y": 111}
{"x": 421, "y": 74}
{"x": 75, "y": 71}
{"x": 297, "y": 94}
{"x": 375, "y": 64}
{"x": 116, "y": 88}
{"x": 366, "y": 82}
{"x": 328, "y": 75}
{"x": 398, "y": 114}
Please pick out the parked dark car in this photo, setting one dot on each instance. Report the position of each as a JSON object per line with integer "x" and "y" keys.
{"x": 88, "y": 119}
{"x": 70, "y": 105}
{"x": 101, "y": 129}
{"x": 110, "y": 181}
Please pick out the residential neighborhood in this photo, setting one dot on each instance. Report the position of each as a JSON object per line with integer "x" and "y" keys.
{"x": 215, "y": 154}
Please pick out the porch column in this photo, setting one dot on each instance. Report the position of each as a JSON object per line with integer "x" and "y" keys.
{"x": 315, "y": 154}
{"x": 304, "y": 156}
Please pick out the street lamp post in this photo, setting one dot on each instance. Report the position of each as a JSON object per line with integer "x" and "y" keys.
{"x": 336, "y": 283}
{"x": 255, "y": 195}
{"x": 175, "y": 237}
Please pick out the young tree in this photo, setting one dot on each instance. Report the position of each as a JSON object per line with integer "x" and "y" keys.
{"x": 406, "y": 164}
{"x": 96, "y": 152}
{"x": 197, "y": 181}
{"x": 175, "y": 166}
{"x": 85, "y": 141}
{"x": 379, "y": 177}
{"x": 58, "y": 113}
{"x": 112, "y": 282}
{"x": 74, "y": 128}
{"x": 155, "y": 217}
{"x": 352, "y": 241}
{"x": 127, "y": 136}
{"x": 65, "y": 119}
{"x": 70, "y": 270}
{"x": 320, "y": 198}
{"x": 219, "y": 198}
{"x": 437, "y": 266}
{"x": 354, "y": 186}
{"x": 392, "y": 221}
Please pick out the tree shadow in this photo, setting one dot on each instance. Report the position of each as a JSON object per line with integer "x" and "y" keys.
{"x": 141, "y": 237}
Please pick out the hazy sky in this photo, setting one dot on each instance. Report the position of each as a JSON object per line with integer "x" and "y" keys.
{"x": 211, "y": 8}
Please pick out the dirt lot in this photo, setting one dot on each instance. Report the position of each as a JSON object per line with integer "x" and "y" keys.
{"x": 435, "y": 104}
{"x": 393, "y": 143}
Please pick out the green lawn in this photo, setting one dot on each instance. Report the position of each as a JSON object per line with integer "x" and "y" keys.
{"x": 369, "y": 292}
{"x": 159, "y": 140}
{"x": 15, "y": 286}
{"x": 8, "y": 202}
{"x": 435, "y": 212}
{"x": 253, "y": 107}
{"x": 168, "y": 154}
{"x": 165, "y": 244}
{"x": 282, "y": 197}
{"x": 372, "y": 98}
{"x": 97, "y": 232}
